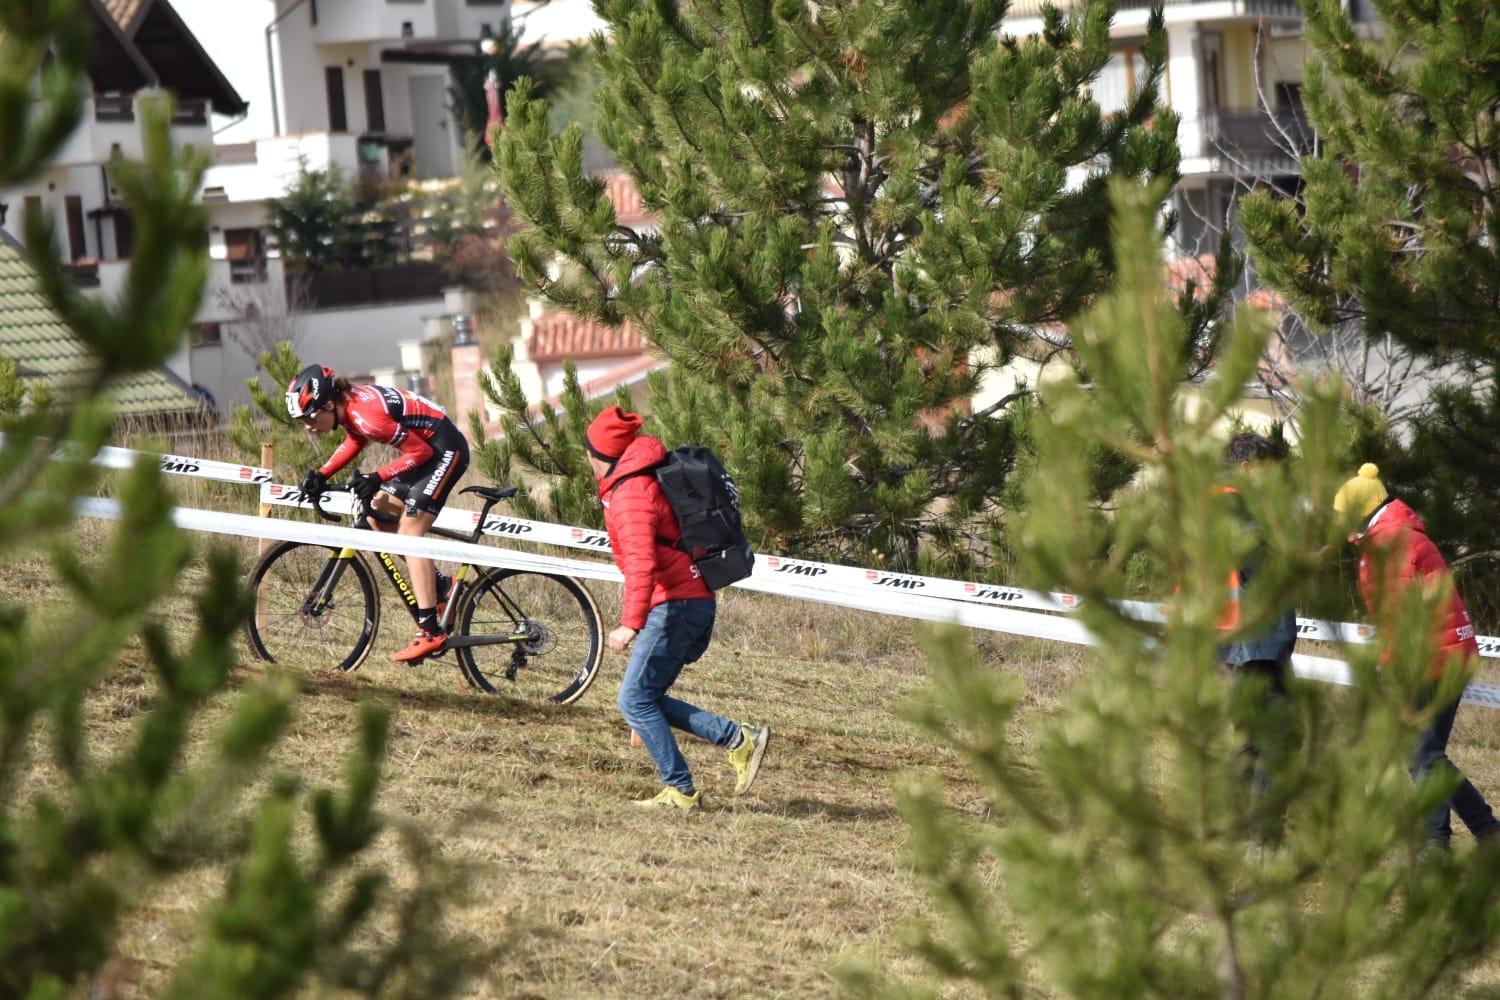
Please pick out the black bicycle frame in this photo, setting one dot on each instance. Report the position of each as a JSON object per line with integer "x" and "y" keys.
{"x": 321, "y": 593}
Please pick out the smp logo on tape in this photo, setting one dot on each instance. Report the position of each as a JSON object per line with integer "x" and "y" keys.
{"x": 290, "y": 494}
{"x": 178, "y": 465}
{"x": 590, "y": 539}
{"x": 497, "y": 525}
{"x": 253, "y": 475}
{"x": 1000, "y": 595}
{"x": 876, "y": 578}
{"x": 779, "y": 564}
{"x": 1489, "y": 645}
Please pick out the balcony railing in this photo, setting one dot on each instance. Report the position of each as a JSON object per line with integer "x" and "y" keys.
{"x": 369, "y": 286}
{"x": 1256, "y": 135}
{"x": 114, "y": 107}
{"x": 1276, "y": 9}
{"x": 234, "y": 152}
{"x": 85, "y": 273}
{"x": 190, "y": 112}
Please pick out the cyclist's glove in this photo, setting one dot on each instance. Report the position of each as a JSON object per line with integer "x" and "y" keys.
{"x": 365, "y": 485}
{"x": 314, "y": 483}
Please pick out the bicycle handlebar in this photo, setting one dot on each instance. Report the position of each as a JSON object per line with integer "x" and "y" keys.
{"x": 366, "y": 508}
{"x": 317, "y": 501}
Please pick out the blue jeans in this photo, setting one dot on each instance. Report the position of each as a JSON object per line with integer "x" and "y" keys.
{"x": 676, "y": 634}
{"x": 1431, "y": 754}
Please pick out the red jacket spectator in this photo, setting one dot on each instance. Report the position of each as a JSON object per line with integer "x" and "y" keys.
{"x": 636, "y": 515}
{"x": 1395, "y": 552}
{"x": 1394, "y": 555}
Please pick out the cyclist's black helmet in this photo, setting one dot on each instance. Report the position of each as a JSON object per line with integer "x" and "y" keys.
{"x": 310, "y": 390}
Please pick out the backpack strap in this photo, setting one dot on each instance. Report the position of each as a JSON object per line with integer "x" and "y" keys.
{"x": 649, "y": 470}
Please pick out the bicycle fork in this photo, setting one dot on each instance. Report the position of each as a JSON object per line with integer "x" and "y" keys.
{"x": 320, "y": 597}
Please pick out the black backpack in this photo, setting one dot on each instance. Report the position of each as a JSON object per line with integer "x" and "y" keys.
{"x": 707, "y": 504}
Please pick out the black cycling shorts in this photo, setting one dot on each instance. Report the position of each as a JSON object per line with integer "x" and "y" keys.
{"x": 426, "y": 487}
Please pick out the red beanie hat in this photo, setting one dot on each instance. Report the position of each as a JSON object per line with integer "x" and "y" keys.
{"x": 611, "y": 433}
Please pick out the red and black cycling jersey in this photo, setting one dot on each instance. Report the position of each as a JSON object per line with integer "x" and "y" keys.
{"x": 389, "y": 416}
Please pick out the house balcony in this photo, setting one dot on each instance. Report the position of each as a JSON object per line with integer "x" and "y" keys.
{"x": 367, "y": 286}
{"x": 375, "y": 21}
{"x": 469, "y": 18}
{"x": 111, "y": 126}
{"x": 1176, "y": 10}
{"x": 1244, "y": 142}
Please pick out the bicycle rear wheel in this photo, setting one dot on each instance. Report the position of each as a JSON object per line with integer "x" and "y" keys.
{"x": 559, "y": 635}
{"x": 312, "y": 607}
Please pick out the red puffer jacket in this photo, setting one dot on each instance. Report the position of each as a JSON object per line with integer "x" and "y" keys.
{"x": 1395, "y": 552}
{"x": 636, "y": 514}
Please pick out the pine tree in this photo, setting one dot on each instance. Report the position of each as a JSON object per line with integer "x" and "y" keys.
{"x": 88, "y": 832}
{"x": 864, "y": 207}
{"x": 1392, "y": 236}
{"x": 1121, "y": 853}
{"x": 315, "y": 224}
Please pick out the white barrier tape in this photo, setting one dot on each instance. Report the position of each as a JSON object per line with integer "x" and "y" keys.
{"x": 335, "y": 536}
{"x": 184, "y": 465}
{"x": 920, "y": 606}
{"x": 176, "y": 465}
{"x": 1307, "y": 628}
{"x": 850, "y": 578}
{"x": 845, "y": 576}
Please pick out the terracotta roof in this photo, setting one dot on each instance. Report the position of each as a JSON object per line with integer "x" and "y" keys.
{"x": 563, "y": 336}
{"x": 1201, "y": 270}
{"x": 123, "y": 11}
{"x": 46, "y": 350}
{"x": 1264, "y": 298}
{"x": 629, "y": 209}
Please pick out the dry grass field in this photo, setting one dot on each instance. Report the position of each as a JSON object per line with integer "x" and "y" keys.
{"x": 584, "y": 895}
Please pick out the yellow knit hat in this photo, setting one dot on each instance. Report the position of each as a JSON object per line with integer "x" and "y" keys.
{"x": 1361, "y": 495}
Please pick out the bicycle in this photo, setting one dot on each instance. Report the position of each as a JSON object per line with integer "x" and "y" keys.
{"x": 529, "y": 633}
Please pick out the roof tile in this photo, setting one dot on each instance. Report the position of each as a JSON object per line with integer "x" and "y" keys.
{"x": 45, "y": 349}
{"x": 563, "y": 336}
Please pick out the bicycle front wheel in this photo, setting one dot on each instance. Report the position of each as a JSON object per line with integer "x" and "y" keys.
{"x": 555, "y": 637}
{"x": 313, "y": 608}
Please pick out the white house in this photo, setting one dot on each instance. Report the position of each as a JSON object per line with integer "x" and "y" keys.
{"x": 361, "y": 84}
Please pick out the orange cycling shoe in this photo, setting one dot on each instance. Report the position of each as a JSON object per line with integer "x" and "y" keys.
{"x": 422, "y": 644}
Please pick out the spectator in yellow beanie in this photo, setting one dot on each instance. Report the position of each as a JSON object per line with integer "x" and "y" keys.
{"x": 1394, "y": 554}
{"x": 1357, "y": 499}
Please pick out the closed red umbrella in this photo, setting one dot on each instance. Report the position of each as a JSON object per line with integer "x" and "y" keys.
{"x": 496, "y": 117}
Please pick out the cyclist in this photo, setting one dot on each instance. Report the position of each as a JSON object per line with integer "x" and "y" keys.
{"x": 434, "y": 455}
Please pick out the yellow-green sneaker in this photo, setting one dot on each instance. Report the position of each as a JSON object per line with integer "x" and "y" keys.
{"x": 746, "y": 757}
{"x": 670, "y": 797}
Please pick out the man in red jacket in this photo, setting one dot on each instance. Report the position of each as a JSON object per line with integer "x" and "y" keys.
{"x": 1394, "y": 554}
{"x": 667, "y": 611}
